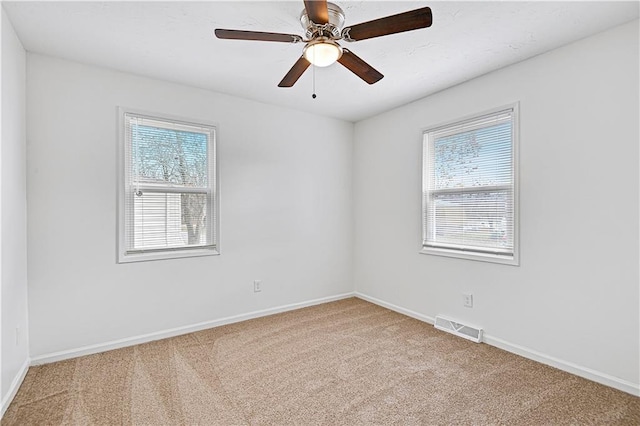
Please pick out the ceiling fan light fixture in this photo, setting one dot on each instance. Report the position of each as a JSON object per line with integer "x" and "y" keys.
{"x": 322, "y": 52}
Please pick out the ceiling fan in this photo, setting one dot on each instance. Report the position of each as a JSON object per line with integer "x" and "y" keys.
{"x": 323, "y": 23}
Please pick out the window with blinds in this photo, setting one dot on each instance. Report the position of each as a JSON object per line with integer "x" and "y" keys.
{"x": 168, "y": 197}
{"x": 469, "y": 188}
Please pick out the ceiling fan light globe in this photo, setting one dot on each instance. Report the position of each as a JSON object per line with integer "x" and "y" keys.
{"x": 322, "y": 53}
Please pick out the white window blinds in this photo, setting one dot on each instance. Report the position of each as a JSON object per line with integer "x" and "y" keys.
{"x": 468, "y": 186}
{"x": 169, "y": 185}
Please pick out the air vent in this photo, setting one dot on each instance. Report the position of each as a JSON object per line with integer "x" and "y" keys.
{"x": 463, "y": 330}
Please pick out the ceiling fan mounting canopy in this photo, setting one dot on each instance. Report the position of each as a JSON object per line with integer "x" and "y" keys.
{"x": 332, "y": 28}
{"x": 323, "y": 23}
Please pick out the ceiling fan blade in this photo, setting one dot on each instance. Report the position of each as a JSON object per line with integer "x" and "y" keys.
{"x": 295, "y": 72}
{"x": 359, "y": 67}
{"x": 256, "y": 35}
{"x": 406, "y": 21}
{"x": 317, "y": 11}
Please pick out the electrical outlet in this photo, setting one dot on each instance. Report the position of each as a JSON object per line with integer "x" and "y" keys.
{"x": 468, "y": 300}
{"x": 257, "y": 286}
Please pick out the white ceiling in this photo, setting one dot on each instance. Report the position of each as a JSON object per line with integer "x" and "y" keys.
{"x": 174, "y": 41}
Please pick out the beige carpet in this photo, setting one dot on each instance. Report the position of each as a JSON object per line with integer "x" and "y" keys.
{"x": 342, "y": 363}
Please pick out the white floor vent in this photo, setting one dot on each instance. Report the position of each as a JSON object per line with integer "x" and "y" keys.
{"x": 463, "y": 330}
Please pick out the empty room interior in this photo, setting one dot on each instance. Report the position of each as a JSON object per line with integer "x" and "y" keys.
{"x": 346, "y": 212}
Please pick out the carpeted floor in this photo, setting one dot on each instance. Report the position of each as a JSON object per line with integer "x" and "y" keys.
{"x": 343, "y": 363}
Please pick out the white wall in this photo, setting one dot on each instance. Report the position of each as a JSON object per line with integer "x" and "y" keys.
{"x": 286, "y": 215}
{"x": 13, "y": 253}
{"x": 574, "y": 299}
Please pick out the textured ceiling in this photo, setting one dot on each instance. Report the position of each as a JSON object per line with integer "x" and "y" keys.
{"x": 174, "y": 41}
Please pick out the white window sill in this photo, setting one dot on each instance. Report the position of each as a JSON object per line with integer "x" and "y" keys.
{"x": 167, "y": 254}
{"x": 481, "y": 257}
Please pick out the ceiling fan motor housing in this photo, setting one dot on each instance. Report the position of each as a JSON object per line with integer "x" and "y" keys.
{"x": 331, "y": 29}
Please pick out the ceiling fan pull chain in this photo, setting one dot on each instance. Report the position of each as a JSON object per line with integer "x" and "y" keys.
{"x": 313, "y": 78}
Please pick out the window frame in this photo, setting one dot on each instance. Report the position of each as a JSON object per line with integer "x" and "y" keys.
{"x": 513, "y": 259}
{"x": 213, "y": 225}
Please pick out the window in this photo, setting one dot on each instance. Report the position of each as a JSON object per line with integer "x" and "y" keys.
{"x": 167, "y": 189}
{"x": 470, "y": 188}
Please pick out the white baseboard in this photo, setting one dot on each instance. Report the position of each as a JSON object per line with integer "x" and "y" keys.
{"x": 135, "y": 340}
{"x": 587, "y": 373}
{"x": 396, "y": 308}
{"x": 15, "y": 385}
